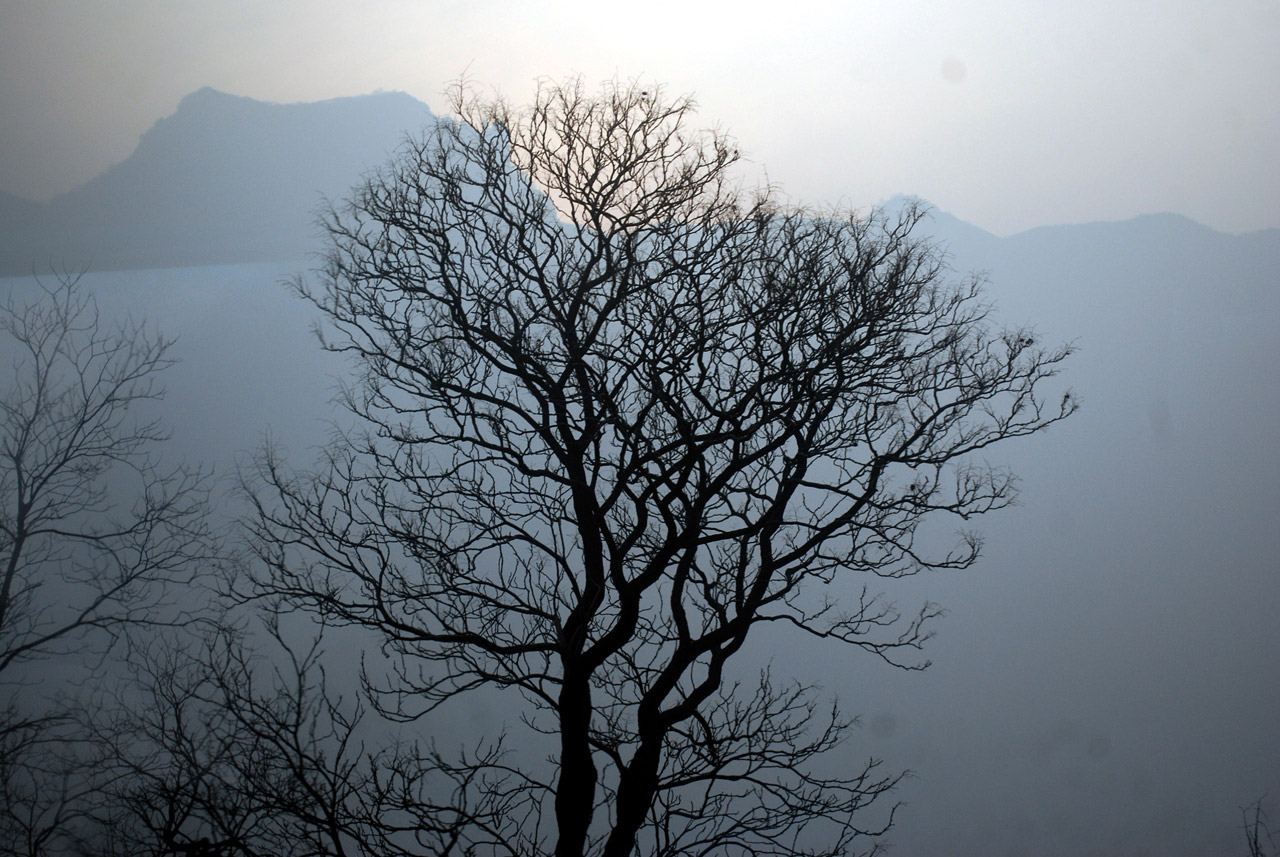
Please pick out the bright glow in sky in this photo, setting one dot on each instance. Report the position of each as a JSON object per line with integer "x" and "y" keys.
{"x": 1008, "y": 114}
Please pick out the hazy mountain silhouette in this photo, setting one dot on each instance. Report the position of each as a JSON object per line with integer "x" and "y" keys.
{"x": 229, "y": 179}
{"x": 20, "y": 232}
{"x": 16, "y": 212}
{"x": 224, "y": 179}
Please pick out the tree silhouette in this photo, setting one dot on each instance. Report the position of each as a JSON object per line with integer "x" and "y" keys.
{"x": 94, "y": 535}
{"x": 620, "y": 413}
{"x": 1257, "y": 830}
{"x": 214, "y": 746}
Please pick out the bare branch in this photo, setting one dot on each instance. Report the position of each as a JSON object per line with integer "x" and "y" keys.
{"x": 96, "y": 538}
{"x": 620, "y": 411}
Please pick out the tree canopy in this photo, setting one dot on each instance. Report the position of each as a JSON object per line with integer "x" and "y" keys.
{"x": 619, "y": 411}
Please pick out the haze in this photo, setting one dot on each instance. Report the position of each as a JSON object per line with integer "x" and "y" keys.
{"x": 1105, "y": 681}
{"x": 1010, "y": 115}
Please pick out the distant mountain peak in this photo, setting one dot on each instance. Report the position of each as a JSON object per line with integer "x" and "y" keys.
{"x": 208, "y": 95}
{"x": 224, "y": 178}
{"x": 230, "y": 178}
{"x": 941, "y": 225}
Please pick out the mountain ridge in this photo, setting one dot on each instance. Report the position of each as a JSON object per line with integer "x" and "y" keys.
{"x": 229, "y": 179}
{"x": 224, "y": 179}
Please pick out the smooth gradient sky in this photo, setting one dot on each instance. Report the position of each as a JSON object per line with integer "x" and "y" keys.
{"x": 1008, "y": 114}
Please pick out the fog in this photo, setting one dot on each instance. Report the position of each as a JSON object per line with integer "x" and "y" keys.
{"x": 1104, "y": 680}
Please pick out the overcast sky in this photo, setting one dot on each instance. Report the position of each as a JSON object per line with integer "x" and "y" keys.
{"x": 1008, "y": 114}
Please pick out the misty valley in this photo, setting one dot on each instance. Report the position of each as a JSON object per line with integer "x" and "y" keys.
{"x": 1128, "y": 598}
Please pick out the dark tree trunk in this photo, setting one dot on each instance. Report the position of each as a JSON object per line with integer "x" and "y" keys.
{"x": 636, "y": 790}
{"x": 576, "y": 789}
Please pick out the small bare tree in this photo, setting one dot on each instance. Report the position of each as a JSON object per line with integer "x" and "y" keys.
{"x": 621, "y": 414}
{"x": 1257, "y": 829}
{"x": 218, "y": 747}
{"x": 212, "y": 747}
{"x": 94, "y": 534}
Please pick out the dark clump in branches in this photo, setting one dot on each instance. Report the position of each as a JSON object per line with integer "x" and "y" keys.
{"x": 620, "y": 413}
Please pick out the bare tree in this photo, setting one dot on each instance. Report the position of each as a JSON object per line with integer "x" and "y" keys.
{"x": 1257, "y": 829}
{"x": 620, "y": 414}
{"x": 213, "y": 747}
{"x": 222, "y": 747}
{"x": 94, "y": 534}
{"x": 43, "y": 786}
